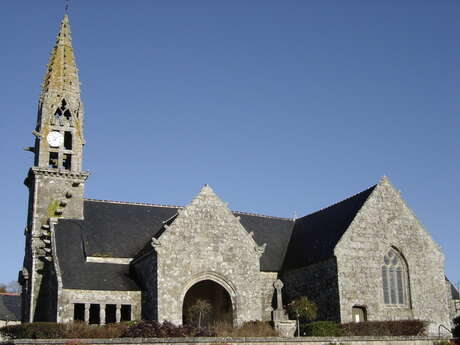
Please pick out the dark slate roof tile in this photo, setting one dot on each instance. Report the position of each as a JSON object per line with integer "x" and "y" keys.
{"x": 275, "y": 232}
{"x": 453, "y": 290}
{"x": 79, "y": 274}
{"x": 315, "y": 236}
{"x": 122, "y": 230}
{"x": 10, "y": 307}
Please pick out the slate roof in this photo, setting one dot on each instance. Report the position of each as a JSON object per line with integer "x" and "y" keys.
{"x": 121, "y": 230}
{"x": 79, "y": 274}
{"x": 315, "y": 236}
{"x": 455, "y": 293}
{"x": 10, "y": 307}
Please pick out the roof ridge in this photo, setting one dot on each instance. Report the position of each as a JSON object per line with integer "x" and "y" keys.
{"x": 178, "y": 207}
{"x": 261, "y": 215}
{"x": 339, "y": 202}
{"x": 132, "y": 203}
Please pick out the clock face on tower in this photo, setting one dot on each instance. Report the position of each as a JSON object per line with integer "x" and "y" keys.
{"x": 55, "y": 139}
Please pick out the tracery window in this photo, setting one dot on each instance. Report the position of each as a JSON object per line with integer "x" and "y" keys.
{"x": 394, "y": 278}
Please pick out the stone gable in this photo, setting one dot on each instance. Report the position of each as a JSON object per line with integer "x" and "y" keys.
{"x": 207, "y": 242}
{"x": 385, "y": 222}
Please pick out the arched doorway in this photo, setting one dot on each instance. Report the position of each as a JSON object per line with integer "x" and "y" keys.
{"x": 205, "y": 303}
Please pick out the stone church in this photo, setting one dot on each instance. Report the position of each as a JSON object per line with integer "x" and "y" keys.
{"x": 364, "y": 258}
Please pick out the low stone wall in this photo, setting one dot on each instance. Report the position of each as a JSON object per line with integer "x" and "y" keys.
{"x": 239, "y": 341}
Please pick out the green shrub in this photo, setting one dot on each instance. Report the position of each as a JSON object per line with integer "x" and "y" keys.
{"x": 35, "y": 330}
{"x": 385, "y": 328}
{"x": 321, "y": 329}
{"x": 153, "y": 329}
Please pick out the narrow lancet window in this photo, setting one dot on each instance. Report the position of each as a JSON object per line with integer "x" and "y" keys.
{"x": 53, "y": 160}
{"x": 68, "y": 140}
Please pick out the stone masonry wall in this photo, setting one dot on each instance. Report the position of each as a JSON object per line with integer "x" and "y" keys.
{"x": 243, "y": 341}
{"x": 207, "y": 242}
{"x": 318, "y": 282}
{"x": 385, "y": 222}
{"x": 68, "y": 297}
{"x": 268, "y": 293}
{"x": 52, "y": 194}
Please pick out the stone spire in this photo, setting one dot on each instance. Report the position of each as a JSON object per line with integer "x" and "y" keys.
{"x": 60, "y": 108}
{"x": 61, "y": 76}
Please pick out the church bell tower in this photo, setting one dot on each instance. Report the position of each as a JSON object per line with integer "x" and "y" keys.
{"x": 56, "y": 179}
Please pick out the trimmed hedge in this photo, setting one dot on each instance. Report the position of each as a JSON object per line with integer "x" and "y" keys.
{"x": 146, "y": 329}
{"x": 153, "y": 329}
{"x": 36, "y": 330}
{"x": 385, "y": 328}
{"x": 50, "y": 330}
{"x": 321, "y": 329}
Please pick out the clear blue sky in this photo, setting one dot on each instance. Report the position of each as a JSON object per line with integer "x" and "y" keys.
{"x": 282, "y": 107}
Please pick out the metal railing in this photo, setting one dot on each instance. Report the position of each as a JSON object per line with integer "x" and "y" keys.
{"x": 439, "y": 330}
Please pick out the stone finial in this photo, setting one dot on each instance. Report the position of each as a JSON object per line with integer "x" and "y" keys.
{"x": 207, "y": 190}
{"x": 155, "y": 243}
{"x": 260, "y": 249}
{"x": 384, "y": 180}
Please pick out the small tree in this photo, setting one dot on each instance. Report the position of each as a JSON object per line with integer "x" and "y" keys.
{"x": 199, "y": 310}
{"x": 456, "y": 329}
{"x": 302, "y": 307}
{"x": 2, "y": 288}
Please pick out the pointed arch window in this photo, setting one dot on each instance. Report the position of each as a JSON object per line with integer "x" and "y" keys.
{"x": 395, "y": 279}
{"x": 62, "y": 114}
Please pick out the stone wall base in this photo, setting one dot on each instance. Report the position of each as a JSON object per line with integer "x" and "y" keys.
{"x": 239, "y": 341}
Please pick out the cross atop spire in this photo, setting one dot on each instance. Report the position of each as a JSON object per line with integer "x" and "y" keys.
{"x": 61, "y": 76}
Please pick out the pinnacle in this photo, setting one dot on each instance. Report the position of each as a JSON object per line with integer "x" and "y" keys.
{"x": 207, "y": 190}
{"x": 64, "y": 37}
{"x": 384, "y": 180}
{"x": 61, "y": 76}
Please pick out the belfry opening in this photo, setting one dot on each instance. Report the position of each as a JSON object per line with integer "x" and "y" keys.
{"x": 206, "y": 303}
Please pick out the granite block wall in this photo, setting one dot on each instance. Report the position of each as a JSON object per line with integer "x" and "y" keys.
{"x": 207, "y": 242}
{"x": 318, "y": 282}
{"x": 385, "y": 222}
